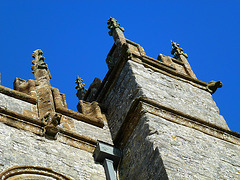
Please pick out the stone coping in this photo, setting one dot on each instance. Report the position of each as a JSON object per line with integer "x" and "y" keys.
{"x": 59, "y": 107}
{"x": 137, "y": 110}
{"x": 157, "y": 64}
{"x": 113, "y": 74}
{"x": 18, "y": 95}
{"x": 21, "y": 116}
{"x": 68, "y": 112}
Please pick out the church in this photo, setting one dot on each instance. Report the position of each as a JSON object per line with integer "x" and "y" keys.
{"x": 147, "y": 119}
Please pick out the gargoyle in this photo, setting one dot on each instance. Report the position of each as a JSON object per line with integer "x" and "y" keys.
{"x": 213, "y": 85}
{"x": 52, "y": 120}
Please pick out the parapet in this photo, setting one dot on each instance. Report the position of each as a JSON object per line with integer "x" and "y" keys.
{"x": 36, "y": 106}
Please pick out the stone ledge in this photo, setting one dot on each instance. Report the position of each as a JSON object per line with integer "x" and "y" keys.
{"x": 20, "y": 123}
{"x": 150, "y": 62}
{"x": 21, "y": 116}
{"x": 77, "y": 142}
{"x": 113, "y": 74}
{"x": 78, "y": 136}
{"x": 137, "y": 110}
{"x": 36, "y": 126}
{"x": 18, "y": 95}
{"x": 158, "y": 64}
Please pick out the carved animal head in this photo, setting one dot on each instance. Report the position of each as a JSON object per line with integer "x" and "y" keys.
{"x": 219, "y": 84}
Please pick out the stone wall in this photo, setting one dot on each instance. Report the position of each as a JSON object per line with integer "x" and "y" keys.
{"x": 18, "y": 105}
{"x": 136, "y": 81}
{"x": 190, "y": 140}
{"x": 19, "y": 147}
{"x": 159, "y": 148}
{"x": 24, "y": 142}
{"x": 119, "y": 99}
{"x": 177, "y": 94}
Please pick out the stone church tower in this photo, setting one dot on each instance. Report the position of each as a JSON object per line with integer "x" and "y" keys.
{"x": 148, "y": 119}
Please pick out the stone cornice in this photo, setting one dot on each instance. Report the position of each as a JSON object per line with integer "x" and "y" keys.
{"x": 18, "y": 95}
{"x": 36, "y": 126}
{"x": 165, "y": 69}
{"x": 161, "y": 66}
{"x": 26, "y": 118}
{"x": 137, "y": 110}
{"x": 156, "y": 65}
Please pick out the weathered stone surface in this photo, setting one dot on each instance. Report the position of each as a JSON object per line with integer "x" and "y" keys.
{"x": 31, "y": 172}
{"x": 16, "y": 105}
{"x": 163, "y": 118}
{"x": 185, "y": 152}
{"x": 70, "y": 152}
{"x": 18, "y": 147}
{"x": 160, "y": 148}
{"x": 39, "y": 68}
{"x": 119, "y": 99}
{"x": 60, "y": 108}
{"x": 85, "y": 129}
{"x": 24, "y": 86}
{"x": 67, "y": 123}
{"x": 178, "y": 95}
{"x": 135, "y": 80}
{"x": 92, "y": 90}
{"x": 45, "y": 100}
{"x": 19, "y": 95}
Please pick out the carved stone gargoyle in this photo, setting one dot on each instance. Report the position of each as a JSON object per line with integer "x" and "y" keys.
{"x": 51, "y": 121}
{"x": 213, "y": 85}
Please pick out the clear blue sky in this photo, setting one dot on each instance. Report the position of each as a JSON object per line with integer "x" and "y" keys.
{"x": 74, "y": 38}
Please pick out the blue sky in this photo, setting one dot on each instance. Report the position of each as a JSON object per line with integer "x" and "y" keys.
{"x": 74, "y": 38}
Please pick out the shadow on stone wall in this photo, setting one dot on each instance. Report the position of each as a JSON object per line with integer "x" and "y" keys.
{"x": 141, "y": 160}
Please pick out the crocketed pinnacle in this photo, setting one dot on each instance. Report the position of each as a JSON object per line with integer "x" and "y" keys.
{"x": 177, "y": 51}
{"x": 38, "y": 62}
{"x": 81, "y": 90}
{"x": 112, "y": 25}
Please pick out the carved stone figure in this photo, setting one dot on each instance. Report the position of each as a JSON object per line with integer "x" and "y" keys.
{"x": 177, "y": 51}
{"x": 81, "y": 90}
{"x": 52, "y": 120}
{"x": 213, "y": 85}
